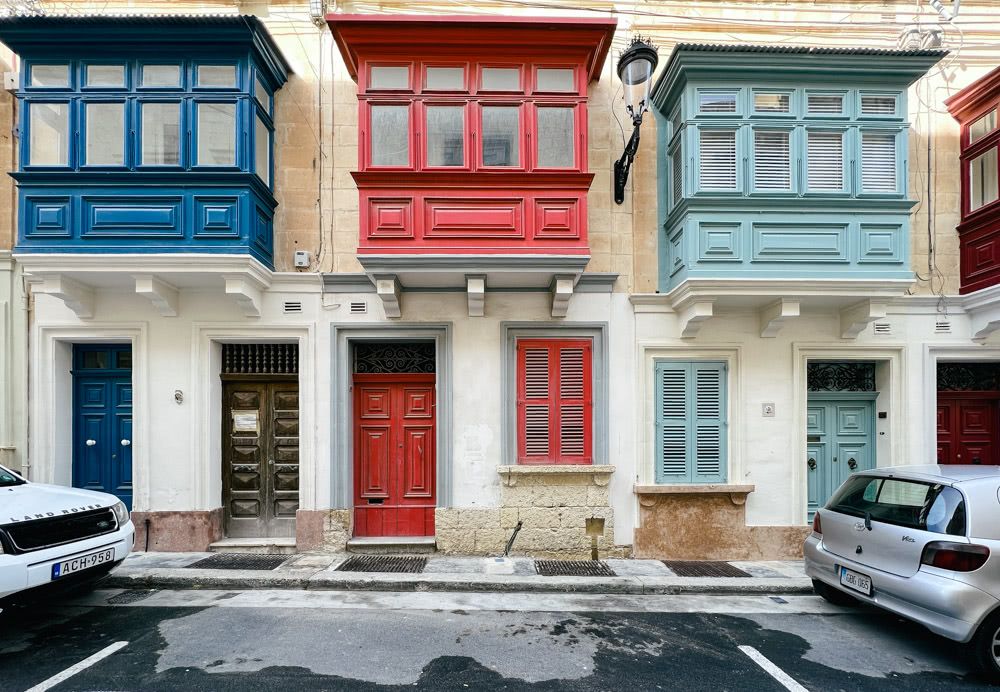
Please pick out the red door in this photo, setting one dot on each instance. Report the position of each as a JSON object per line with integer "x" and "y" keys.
{"x": 394, "y": 456}
{"x": 967, "y": 428}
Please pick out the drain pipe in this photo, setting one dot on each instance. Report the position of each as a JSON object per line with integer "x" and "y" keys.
{"x": 510, "y": 543}
{"x": 147, "y": 534}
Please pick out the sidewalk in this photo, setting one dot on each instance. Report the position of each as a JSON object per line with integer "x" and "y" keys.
{"x": 469, "y": 574}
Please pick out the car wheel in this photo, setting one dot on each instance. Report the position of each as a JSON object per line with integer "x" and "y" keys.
{"x": 985, "y": 648}
{"x": 832, "y": 595}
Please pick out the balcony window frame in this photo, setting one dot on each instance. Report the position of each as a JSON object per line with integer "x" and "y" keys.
{"x": 72, "y": 140}
{"x": 196, "y": 66}
{"x": 183, "y": 68}
{"x": 737, "y": 114}
{"x": 740, "y": 161}
{"x": 793, "y": 109}
{"x": 185, "y": 141}
{"x": 464, "y": 65}
{"x": 72, "y": 78}
{"x": 128, "y": 136}
{"x": 365, "y": 132}
{"x": 522, "y": 139}
{"x": 845, "y": 156}
{"x": 857, "y": 175}
{"x": 970, "y": 151}
{"x": 967, "y": 162}
{"x": 860, "y": 116}
{"x": 576, "y": 144}
{"x": 125, "y": 87}
{"x": 532, "y": 87}
{"x": 368, "y": 88}
{"x": 794, "y": 157}
{"x": 423, "y": 137}
{"x": 481, "y": 67}
{"x": 845, "y": 105}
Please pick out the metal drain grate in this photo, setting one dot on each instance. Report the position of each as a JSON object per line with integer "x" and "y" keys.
{"x": 383, "y": 563}
{"x": 126, "y": 597}
{"x": 703, "y": 568}
{"x": 239, "y": 561}
{"x": 573, "y": 568}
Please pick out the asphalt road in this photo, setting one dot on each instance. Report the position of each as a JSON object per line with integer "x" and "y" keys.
{"x": 273, "y": 640}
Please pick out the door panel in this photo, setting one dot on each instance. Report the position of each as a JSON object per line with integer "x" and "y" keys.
{"x": 102, "y": 419}
{"x": 839, "y": 432}
{"x": 395, "y": 457}
{"x": 967, "y": 428}
{"x": 260, "y": 458}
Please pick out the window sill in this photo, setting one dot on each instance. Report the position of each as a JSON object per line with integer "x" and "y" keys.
{"x": 737, "y": 493}
{"x": 600, "y": 473}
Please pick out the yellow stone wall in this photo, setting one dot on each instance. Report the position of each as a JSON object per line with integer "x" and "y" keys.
{"x": 317, "y": 132}
{"x": 7, "y": 158}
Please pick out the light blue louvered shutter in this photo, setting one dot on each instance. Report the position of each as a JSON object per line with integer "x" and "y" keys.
{"x": 707, "y": 405}
{"x": 672, "y": 422}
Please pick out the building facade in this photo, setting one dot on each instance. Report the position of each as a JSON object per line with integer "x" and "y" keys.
{"x": 357, "y": 280}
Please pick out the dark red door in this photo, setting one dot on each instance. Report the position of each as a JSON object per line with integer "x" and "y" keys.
{"x": 967, "y": 428}
{"x": 394, "y": 455}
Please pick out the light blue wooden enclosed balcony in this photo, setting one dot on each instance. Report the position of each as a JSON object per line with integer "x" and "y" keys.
{"x": 782, "y": 174}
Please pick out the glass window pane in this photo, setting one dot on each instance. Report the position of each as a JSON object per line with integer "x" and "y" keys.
{"x": 105, "y": 134}
{"x": 445, "y": 135}
{"x": 105, "y": 75}
{"x": 772, "y": 161}
{"x": 717, "y": 102}
{"x": 555, "y": 79}
{"x": 983, "y": 126}
{"x": 49, "y": 144}
{"x": 878, "y": 162}
{"x": 161, "y": 76}
{"x": 446, "y": 78}
{"x": 95, "y": 360}
{"x": 556, "y": 136}
{"x": 771, "y": 103}
{"x": 389, "y": 78}
{"x": 501, "y": 136}
{"x": 216, "y": 134}
{"x": 161, "y": 134}
{"x": 262, "y": 95}
{"x": 390, "y": 135}
{"x": 820, "y": 104}
{"x": 262, "y": 151}
{"x": 217, "y": 75}
{"x": 717, "y": 166}
{"x": 878, "y": 105}
{"x": 983, "y": 180}
{"x": 50, "y": 75}
{"x": 124, "y": 359}
{"x": 501, "y": 79}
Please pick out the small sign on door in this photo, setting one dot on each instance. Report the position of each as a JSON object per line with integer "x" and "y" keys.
{"x": 245, "y": 421}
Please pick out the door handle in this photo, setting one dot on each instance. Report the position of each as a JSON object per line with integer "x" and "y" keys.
{"x": 812, "y": 464}
{"x": 90, "y": 443}
{"x": 126, "y": 443}
{"x": 852, "y": 464}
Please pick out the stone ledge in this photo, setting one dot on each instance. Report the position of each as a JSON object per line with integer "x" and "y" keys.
{"x": 601, "y": 473}
{"x": 693, "y": 489}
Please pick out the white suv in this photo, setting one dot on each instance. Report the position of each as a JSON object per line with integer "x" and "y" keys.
{"x": 53, "y": 536}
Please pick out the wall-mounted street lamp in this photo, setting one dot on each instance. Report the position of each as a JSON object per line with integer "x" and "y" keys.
{"x": 635, "y": 69}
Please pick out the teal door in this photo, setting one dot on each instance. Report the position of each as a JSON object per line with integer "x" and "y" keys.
{"x": 102, "y": 419}
{"x": 840, "y": 441}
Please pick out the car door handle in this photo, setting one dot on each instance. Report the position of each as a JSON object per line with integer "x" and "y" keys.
{"x": 90, "y": 443}
{"x": 126, "y": 443}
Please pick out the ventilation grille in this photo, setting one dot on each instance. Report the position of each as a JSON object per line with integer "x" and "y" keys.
{"x": 942, "y": 327}
{"x": 260, "y": 359}
{"x": 359, "y": 307}
{"x": 883, "y": 329}
{"x": 293, "y": 307}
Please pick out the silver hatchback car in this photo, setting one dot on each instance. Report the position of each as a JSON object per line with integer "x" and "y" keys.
{"x": 922, "y": 542}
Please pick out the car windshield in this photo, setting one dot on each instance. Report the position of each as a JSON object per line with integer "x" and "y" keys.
{"x": 914, "y": 504}
{"x": 7, "y": 478}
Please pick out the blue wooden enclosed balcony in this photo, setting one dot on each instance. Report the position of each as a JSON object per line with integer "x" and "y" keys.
{"x": 783, "y": 173}
{"x": 145, "y": 135}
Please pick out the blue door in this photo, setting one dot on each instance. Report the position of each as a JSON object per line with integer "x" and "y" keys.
{"x": 840, "y": 441}
{"x": 102, "y": 419}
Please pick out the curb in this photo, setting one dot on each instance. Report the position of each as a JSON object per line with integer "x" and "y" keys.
{"x": 324, "y": 580}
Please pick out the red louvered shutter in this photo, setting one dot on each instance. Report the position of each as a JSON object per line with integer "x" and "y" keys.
{"x": 554, "y": 401}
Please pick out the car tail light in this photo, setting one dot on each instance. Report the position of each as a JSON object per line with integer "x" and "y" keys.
{"x": 817, "y": 525}
{"x": 955, "y": 557}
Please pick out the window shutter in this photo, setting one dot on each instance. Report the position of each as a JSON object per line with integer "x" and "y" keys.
{"x": 554, "y": 401}
{"x": 709, "y": 433}
{"x": 690, "y": 422}
{"x": 772, "y": 156}
{"x": 825, "y": 152}
{"x": 575, "y": 404}
{"x": 878, "y": 162}
{"x": 718, "y": 160}
{"x": 677, "y": 175}
{"x": 823, "y": 104}
{"x": 878, "y": 105}
{"x": 671, "y": 422}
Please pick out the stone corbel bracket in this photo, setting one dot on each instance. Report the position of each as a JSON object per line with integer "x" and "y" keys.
{"x": 562, "y": 291}
{"x": 855, "y": 318}
{"x": 77, "y": 297}
{"x": 776, "y": 315}
{"x": 692, "y": 317}
{"x": 387, "y": 288}
{"x": 164, "y": 297}
{"x": 475, "y": 286}
{"x": 248, "y": 294}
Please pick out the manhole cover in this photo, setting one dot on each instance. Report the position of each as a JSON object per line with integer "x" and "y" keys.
{"x": 126, "y": 597}
{"x": 383, "y": 563}
{"x": 703, "y": 568}
{"x": 239, "y": 561}
{"x": 573, "y": 568}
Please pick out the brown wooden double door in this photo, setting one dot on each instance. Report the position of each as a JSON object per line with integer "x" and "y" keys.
{"x": 968, "y": 424}
{"x": 394, "y": 455}
{"x": 260, "y": 457}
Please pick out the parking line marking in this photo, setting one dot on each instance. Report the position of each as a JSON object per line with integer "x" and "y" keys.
{"x": 774, "y": 671}
{"x": 82, "y": 665}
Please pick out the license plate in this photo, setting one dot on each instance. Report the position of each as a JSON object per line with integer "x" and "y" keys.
{"x": 856, "y": 581}
{"x": 78, "y": 564}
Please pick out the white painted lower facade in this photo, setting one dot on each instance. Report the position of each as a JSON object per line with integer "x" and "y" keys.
{"x": 177, "y": 391}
